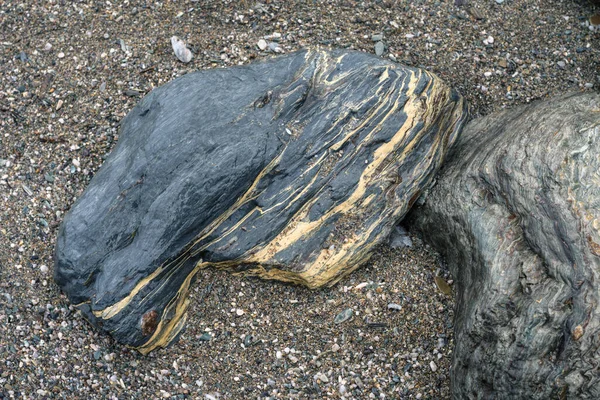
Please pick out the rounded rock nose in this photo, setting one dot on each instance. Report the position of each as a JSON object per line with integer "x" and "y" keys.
{"x": 71, "y": 275}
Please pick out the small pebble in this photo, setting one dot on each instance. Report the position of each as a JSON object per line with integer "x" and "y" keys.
{"x": 343, "y": 316}
{"x": 433, "y": 366}
{"x": 443, "y": 285}
{"x": 182, "y": 53}
{"x": 275, "y": 48}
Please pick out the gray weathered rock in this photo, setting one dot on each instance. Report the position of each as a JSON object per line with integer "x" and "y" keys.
{"x": 291, "y": 169}
{"x": 516, "y": 212}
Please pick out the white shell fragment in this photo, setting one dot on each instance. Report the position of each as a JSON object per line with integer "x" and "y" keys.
{"x": 181, "y": 51}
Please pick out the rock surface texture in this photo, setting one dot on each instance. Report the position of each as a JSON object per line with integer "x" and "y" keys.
{"x": 516, "y": 212}
{"x": 292, "y": 169}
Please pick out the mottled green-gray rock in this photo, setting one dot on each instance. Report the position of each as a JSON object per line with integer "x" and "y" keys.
{"x": 516, "y": 213}
{"x": 290, "y": 169}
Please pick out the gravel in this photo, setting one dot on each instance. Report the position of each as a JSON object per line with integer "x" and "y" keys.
{"x": 70, "y": 71}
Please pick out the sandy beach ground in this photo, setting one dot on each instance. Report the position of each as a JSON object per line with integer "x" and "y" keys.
{"x": 71, "y": 70}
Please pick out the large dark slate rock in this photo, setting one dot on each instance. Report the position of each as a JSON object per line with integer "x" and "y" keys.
{"x": 516, "y": 212}
{"x": 292, "y": 169}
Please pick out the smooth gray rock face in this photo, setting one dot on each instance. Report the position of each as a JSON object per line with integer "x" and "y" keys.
{"x": 291, "y": 169}
{"x": 516, "y": 212}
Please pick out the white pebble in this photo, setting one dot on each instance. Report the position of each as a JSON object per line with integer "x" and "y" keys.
{"x": 433, "y": 366}
{"x": 239, "y": 312}
{"x": 61, "y": 55}
{"x": 44, "y": 269}
{"x": 262, "y": 44}
{"x": 181, "y": 51}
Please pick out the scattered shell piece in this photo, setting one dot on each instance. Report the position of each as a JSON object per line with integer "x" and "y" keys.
{"x": 181, "y": 51}
{"x": 432, "y": 366}
{"x": 124, "y": 47}
{"x": 343, "y": 316}
{"x": 275, "y": 48}
{"x": 321, "y": 377}
{"x": 27, "y": 190}
{"x": 488, "y": 40}
{"x": 443, "y": 285}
